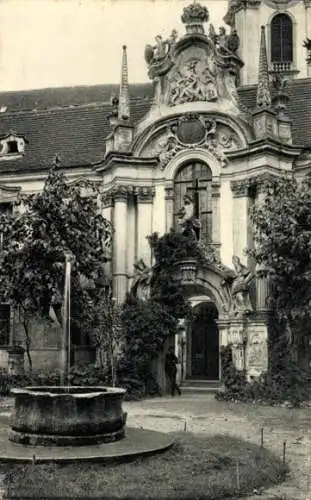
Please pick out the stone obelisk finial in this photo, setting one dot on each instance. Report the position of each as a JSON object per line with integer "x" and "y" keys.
{"x": 263, "y": 99}
{"x": 124, "y": 99}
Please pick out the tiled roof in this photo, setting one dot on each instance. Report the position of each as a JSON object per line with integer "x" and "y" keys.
{"x": 299, "y": 107}
{"x": 73, "y": 122}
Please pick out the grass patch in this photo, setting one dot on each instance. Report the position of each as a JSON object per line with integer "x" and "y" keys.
{"x": 196, "y": 467}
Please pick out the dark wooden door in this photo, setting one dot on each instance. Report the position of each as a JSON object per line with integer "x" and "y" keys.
{"x": 205, "y": 347}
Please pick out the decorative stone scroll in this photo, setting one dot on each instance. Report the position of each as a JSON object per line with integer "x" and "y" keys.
{"x": 240, "y": 188}
{"x": 121, "y": 192}
{"x": 193, "y": 131}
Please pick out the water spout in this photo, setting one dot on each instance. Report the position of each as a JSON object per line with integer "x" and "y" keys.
{"x": 66, "y": 347}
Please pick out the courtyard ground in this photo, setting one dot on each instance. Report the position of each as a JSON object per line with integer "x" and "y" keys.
{"x": 201, "y": 413}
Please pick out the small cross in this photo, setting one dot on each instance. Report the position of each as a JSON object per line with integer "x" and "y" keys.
{"x": 196, "y": 188}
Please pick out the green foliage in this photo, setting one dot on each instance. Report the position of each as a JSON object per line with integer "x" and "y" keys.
{"x": 173, "y": 247}
{"x": 282, "y": 233}
{"x": 284, "y": 383}
{"x": 168, "y": 250}
{"x": 35, "y": 240}
{"x": 146, "y": 327}
{"x": 282, "y": 228}
{"x": 88, "y": 375}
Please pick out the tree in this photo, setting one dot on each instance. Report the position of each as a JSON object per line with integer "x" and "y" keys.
{"x": 56, "y": 220}
{"x": 282, "y": 232}
{"x": 104, "y": 321}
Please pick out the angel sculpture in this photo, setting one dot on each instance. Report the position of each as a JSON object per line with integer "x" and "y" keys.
{"x": 141, "y": 286}
{"x": 241, "y": 288}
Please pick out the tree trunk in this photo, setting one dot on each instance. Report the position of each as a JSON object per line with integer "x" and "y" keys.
{"x": 28, "y": 343}
{"x": 112, "y": 364}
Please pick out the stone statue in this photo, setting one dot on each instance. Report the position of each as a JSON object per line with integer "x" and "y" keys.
{"x": 228, "y": 44}
{"x": 280, "y": 82}
{"x": 241, "y": 303}
{"x": 157, "y": 53}
{"x": 107, "y": 239}
{"x": 187, "y": 220}
{"x": 141, "y": 286}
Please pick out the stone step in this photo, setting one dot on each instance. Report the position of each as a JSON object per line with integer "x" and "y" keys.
{"x": 201, "y": 386}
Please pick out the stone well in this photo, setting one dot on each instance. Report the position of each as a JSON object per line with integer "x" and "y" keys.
{"x": 70, "y": 416}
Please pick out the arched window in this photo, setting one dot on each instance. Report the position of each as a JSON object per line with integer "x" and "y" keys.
{"x": 282, "y": 41}
{"x": 195, "y": 179}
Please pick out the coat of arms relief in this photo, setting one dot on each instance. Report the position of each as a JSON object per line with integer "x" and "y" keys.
{"x": 192, "y": 131}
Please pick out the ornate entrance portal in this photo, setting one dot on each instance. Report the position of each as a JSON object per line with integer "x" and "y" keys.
{"x": 203, "y": 343}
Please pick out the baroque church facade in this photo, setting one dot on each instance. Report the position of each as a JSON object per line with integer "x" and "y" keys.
{"x": 224, "y": 112}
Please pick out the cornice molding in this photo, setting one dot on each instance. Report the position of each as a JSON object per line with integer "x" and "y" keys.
{"x": 266, "y": 146}
{"x": 114, "y": 158}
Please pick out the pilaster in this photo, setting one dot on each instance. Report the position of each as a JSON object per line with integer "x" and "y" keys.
{"x": 106, "y": 210}
{"x": 223, "y": 328}
{"x": 169, "y": 208}
{"x": 144, "y": 197}
{"x": 120, "y": 196}
{"x": 262, "y": 290}
{"x": 240, "y": 191}
{"x": 216, "y": 212}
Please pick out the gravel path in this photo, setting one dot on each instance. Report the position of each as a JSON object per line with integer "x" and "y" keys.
{"x": 200, "y": 413}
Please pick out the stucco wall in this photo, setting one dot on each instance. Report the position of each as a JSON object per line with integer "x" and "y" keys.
{"x": 248, "y": 23}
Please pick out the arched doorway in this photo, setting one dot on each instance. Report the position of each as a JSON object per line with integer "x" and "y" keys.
{"x": 203, "y": 343}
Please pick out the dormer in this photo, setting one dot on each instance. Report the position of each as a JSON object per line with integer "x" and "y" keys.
{"x": 12, "y": 146}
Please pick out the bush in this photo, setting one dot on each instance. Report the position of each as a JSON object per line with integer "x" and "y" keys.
{"x": 80, "y": 376}
{"x": 288, "y": 384}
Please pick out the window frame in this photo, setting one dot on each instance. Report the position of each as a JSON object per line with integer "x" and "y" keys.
{"x": 206, "y": 178}
{"x": 279, "y": 66}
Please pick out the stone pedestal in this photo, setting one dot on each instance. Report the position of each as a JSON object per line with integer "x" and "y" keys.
{"x": 236, "y": 338}
{"x": 256, "y": 348}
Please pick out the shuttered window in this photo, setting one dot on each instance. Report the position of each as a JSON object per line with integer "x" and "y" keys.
{"x": 281, "y": 39}
{"x": 195, "y": 179}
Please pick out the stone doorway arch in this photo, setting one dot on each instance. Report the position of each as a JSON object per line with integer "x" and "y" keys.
{"x": 199, "y": 342}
